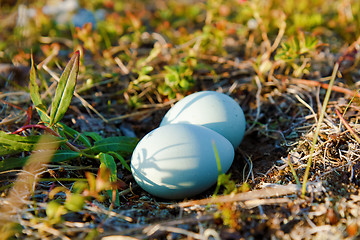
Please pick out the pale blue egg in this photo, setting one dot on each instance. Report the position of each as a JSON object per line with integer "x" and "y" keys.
{"x": 178, "y": 160}
{"x": 210, "y": 109}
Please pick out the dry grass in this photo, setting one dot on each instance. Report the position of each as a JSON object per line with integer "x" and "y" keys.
{"x": 115, "y": 96}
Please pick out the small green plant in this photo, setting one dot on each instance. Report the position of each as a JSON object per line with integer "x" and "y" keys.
{"x": 226, "y": 212}
{"x": 88, "y": 144}
{"x": 82, "y": 191}
{"x": 223, "y": 178}
{"x": 143, "y": 75}
{"x": 178, "y": 78}
{"x": 295, "y": 53}
{"x": 91, "y": 39}
{"x": 213, "y": 37}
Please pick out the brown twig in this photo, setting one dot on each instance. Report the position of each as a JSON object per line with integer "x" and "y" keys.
{"x": 12, "y": 105}
{"x": 324, "y": 85}
{"x": 346, "y": 124}
{"x": 47, "y": 129}
{"x": 245, "y": 196}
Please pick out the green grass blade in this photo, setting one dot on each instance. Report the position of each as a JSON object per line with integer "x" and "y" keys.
{"x": 64, "y": 155}
{"x": 41, "y": 109}
{"x": 75, "y": 134}
{"x": 317, "y": 131}
{"x": 65, "y": 89}
{"x": 217, "y": 157}
{"x": 59, "y": 156}
{"x": 34, "y": 88}
{"x": 35, "y": 93}
{"x": 108, "y": 161}
{"x": 95, "y": 136}
{"x": 12, "y": 163}
{"x": 12, "y": 143}
{"x": 120, "y": 144}
{"x": 121, "y": 159}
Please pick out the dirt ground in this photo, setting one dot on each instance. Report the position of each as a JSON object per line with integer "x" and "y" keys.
{"x": 275, "y": 66}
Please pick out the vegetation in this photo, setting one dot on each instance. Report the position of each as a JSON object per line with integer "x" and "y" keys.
{"x": 80, "y": 86}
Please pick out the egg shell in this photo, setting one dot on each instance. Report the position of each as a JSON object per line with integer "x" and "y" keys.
{"x": 178, "y": 160}
{"x": 210, "y": 109}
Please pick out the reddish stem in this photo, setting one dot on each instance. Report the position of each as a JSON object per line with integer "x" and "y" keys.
{"x": 49, "y": 130}
{"x": 13, "y": 105}
{"x": 353, "y": 133}
{"x": 325, "y": 86}
{"x": 28, "y": 115}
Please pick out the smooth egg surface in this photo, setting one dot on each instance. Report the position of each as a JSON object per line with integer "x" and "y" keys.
{"x": 178, "y": 160}
{"x": 210, "y": 109}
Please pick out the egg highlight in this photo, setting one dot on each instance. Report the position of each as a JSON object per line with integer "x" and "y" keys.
{"x": 210, "y": 109}
{"x": 176, "y": 161}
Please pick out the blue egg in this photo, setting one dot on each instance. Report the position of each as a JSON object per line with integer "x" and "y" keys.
{"x": 210, "y": 109}
{"x": 176, "y": 161}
